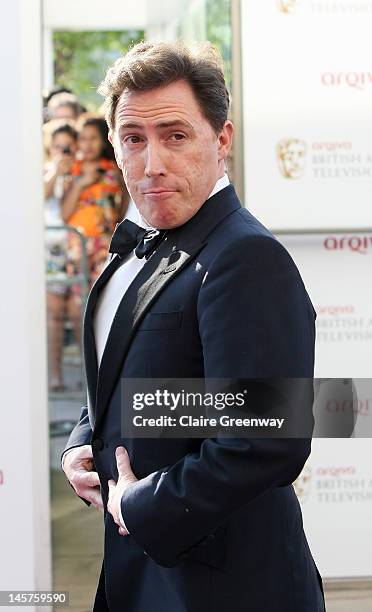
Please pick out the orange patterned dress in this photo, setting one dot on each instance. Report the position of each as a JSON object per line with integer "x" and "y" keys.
{"x": 95, "y": 216}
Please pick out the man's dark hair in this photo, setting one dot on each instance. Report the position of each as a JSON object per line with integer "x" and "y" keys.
{"x": 148, "y": 65}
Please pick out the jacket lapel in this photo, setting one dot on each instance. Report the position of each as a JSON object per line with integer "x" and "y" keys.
{"x": 149, "y": 282}
{"x": 176, "y": 251}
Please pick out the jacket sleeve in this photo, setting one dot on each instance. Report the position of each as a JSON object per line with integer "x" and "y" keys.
{"x": 80, "y": 435}
{"x": 255, "y": 321}
{"x": 82, "y": 432}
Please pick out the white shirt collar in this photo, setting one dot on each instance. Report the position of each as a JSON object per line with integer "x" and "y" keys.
{"x": 221, "y": 184}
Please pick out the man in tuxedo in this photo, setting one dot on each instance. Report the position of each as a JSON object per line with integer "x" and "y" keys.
{"x": 200, "y": 289}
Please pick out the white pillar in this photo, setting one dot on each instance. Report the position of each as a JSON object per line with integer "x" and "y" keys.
{"x": 48, "y": 62}
{"x": 24, "y": 448}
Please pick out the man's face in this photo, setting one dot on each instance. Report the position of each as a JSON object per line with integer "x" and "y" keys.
{"x": 168, "y": 152}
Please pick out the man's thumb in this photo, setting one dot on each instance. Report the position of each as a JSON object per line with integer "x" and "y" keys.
{"x": 122, "y": 461}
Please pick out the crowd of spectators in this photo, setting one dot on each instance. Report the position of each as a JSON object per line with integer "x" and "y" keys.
{"x": 84, "y": 190}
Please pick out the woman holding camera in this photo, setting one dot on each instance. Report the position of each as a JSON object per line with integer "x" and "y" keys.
{"x": 61, "y": 146}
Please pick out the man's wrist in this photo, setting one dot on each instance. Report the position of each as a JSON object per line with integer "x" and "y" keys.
{"x": 64, "y": 455}
{"x": 66, "y": 452}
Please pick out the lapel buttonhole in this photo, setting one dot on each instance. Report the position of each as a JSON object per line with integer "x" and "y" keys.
{"x": 169, "y": 268}
{"x": 174, "y": 256}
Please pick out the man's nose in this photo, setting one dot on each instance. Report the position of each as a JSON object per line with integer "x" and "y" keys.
{"x": 155, "y": 164}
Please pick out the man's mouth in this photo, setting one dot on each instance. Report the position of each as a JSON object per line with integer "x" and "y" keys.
{"x": 158, "y": 190}
{"x": 157, "y": 194}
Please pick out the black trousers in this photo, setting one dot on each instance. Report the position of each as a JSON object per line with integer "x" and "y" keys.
{"x": 100, "y": 602}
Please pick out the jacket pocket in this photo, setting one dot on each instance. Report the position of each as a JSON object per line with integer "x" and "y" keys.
{"x": 161, "y": 321}
{"x": 210, "y": 551}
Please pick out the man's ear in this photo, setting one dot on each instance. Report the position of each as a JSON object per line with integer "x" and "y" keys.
{"x": 225, "y": 140}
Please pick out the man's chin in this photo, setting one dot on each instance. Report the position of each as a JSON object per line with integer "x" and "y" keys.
{"x": 162, "y": 222}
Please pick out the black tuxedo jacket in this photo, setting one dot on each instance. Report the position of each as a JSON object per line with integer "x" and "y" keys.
{"x": 214, "y": 523}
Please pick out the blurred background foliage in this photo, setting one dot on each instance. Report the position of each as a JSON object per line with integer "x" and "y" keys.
{"x": 82, "y": 58}
{"x": 209, "y": 20}
{"x": 219, "y": 31}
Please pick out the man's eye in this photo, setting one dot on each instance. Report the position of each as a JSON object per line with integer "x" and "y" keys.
{"x": 177, "y": 136}
{"x": 132, "y": 139}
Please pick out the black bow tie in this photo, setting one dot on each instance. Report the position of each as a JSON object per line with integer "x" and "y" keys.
{"x": 128, "y": 236}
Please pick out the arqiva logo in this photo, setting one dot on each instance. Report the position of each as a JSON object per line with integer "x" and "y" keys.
{"x": 347, "y": 470}
{"x": 358, "y": 244}
{"x": 356, "y": 80}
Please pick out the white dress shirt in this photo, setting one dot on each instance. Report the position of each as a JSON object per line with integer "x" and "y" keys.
{"x": 114, "y": 290}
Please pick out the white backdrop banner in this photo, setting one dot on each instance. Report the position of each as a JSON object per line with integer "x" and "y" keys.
{"x": 335, "y": 487}
{"x": 307, "y": 96}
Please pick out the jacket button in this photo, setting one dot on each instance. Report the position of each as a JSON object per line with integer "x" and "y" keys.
{"x": 97, "y": 444}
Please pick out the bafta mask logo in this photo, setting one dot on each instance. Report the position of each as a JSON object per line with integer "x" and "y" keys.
{"x": 288, "y": 7}
{"x": 291, "y": 154}
{"x": 302, "y": 484}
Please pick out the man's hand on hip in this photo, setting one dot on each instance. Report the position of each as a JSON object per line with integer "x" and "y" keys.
{"x": 116, "y": 489}
{"x": 77, "y": 465}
